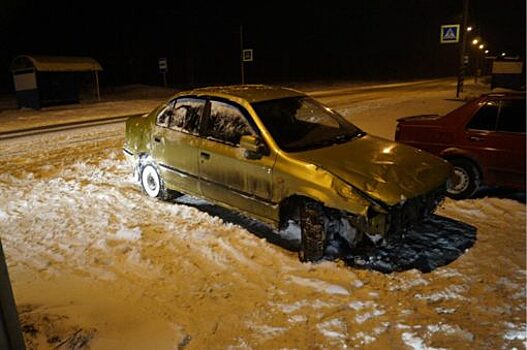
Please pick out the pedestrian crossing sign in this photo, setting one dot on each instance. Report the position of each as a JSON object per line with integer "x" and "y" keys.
{"x": 449, "y": 33}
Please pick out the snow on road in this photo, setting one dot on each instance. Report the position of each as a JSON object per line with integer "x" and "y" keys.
{"x": 94, "y": 263}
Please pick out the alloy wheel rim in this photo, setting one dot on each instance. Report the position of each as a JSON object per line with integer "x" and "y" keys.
{"x": 460, "y": 181}
{"x": 151, "y": 181}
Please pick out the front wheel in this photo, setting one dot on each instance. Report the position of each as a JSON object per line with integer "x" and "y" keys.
{"x": 465, "y": 180}
{"x": 313, "y": 243}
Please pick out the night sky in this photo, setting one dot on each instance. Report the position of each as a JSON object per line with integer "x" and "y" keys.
{"x": 351, "y": 40}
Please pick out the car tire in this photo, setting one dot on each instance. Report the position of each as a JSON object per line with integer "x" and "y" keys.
{"x": 313, "y": 241}
{"x": 465, "y": 181}
{"x": 153, "y": 184}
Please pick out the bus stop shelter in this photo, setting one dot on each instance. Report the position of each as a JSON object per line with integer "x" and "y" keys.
{"x": 508, "y": 73}
{"x": 42, "y": 81}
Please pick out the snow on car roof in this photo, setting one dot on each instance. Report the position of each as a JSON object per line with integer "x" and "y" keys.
{"x": 250, "y": 93}
{"x": 507, "y": 94}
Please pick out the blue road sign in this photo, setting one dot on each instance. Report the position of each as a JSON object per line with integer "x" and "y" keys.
{"x": 449, "y": 33}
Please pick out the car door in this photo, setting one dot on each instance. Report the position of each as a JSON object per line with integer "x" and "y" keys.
{"x": 509, "y": 141}
{"x": 176, "y": 143}
{"x": 496, "y": 150}
{"x": 226, "y": 174}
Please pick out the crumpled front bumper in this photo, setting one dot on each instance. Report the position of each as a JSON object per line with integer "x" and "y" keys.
{"x": 396, "y": 219}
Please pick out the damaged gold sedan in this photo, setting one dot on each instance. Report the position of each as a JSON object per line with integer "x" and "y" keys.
{"x": 278, "y": 155}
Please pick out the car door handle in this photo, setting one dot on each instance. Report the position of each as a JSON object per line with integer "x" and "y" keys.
{"x": 205, "y": 155}
{"x": 475, "y": 138}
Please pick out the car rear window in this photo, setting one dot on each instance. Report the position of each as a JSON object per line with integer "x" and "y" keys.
{"x": 186, "y": 114}
{"x": 512, "y": 116}
{"x": 183, "y": 114}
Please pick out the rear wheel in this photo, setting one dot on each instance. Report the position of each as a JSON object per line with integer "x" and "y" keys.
{"x": 313, "y": 242}
{"x": 465, "y": 180}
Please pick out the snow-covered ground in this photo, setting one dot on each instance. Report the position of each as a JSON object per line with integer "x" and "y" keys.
{"x": 95, "y": 264}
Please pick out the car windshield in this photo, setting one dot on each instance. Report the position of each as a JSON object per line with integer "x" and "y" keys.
{"x": 300, "y": 124}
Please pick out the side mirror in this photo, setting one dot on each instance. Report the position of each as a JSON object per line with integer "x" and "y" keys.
{"x": 252, "y": 146}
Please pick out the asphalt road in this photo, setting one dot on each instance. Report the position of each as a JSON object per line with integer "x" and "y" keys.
{"x": 338, "y": 97}
{"x": 335, "y": 97}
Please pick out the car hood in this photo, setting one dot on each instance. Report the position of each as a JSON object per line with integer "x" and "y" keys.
{"x": 385, "y": 170}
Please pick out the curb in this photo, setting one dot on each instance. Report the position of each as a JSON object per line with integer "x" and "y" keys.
{"x": 64, "y": 126}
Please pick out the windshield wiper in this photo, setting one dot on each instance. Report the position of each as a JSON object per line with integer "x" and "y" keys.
{"x": 325, "y": 142}
{"x": 346, "y": 137}
{"x": 343, "y": 138}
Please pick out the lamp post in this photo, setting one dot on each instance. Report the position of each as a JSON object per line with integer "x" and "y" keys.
{"x": 478, "y": 59}
{"x": 242, "y": 68}
{"x": 462, "y": 49}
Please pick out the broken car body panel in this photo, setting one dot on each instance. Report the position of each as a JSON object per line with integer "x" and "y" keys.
{"x": 363, "y": 177}
{"x": 385, "y": 170}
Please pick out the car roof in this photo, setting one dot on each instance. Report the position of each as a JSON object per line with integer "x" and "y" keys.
{"x": 506, "y": 95}
{"x": 250, "y": 93}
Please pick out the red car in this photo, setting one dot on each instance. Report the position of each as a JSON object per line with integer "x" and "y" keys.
{"x": 484, "y": 140}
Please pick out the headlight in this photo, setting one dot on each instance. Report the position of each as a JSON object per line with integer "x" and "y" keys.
{"x": 346, "y": 191}
{"x": 349, "y": 192}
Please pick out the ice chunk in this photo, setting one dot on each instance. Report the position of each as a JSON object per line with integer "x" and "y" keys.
{"x": 129, "y": 234}
{"x": 292, "y": 232}
{"x": 416, "y": 343}
{"x": 334, "y": 328}
{"x": 515, "y": 332}
{"x": 320, "y": 286}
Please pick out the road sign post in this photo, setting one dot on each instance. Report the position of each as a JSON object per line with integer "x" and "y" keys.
{"x": 246, "y": 56}
{"x": 450, "y": 34}
{"x": 163, "y": 69}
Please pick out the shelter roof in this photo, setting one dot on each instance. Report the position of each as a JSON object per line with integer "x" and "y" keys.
{"x": 55, "y": 63}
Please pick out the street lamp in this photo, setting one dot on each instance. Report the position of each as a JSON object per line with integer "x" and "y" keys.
{"x": 486, "y": 52}
{"x": 469, "y": 29}
{"x": 503, "y": 54}
{"x": 481, "y": 46}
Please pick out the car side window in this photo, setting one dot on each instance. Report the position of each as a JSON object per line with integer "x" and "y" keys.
{"x": 227, "y": 123}
{"x": 485, "y": 118}
{"x": 163, "y": 117}
{"x": 186, "y": 114}
{"x": 512, "y": 116}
